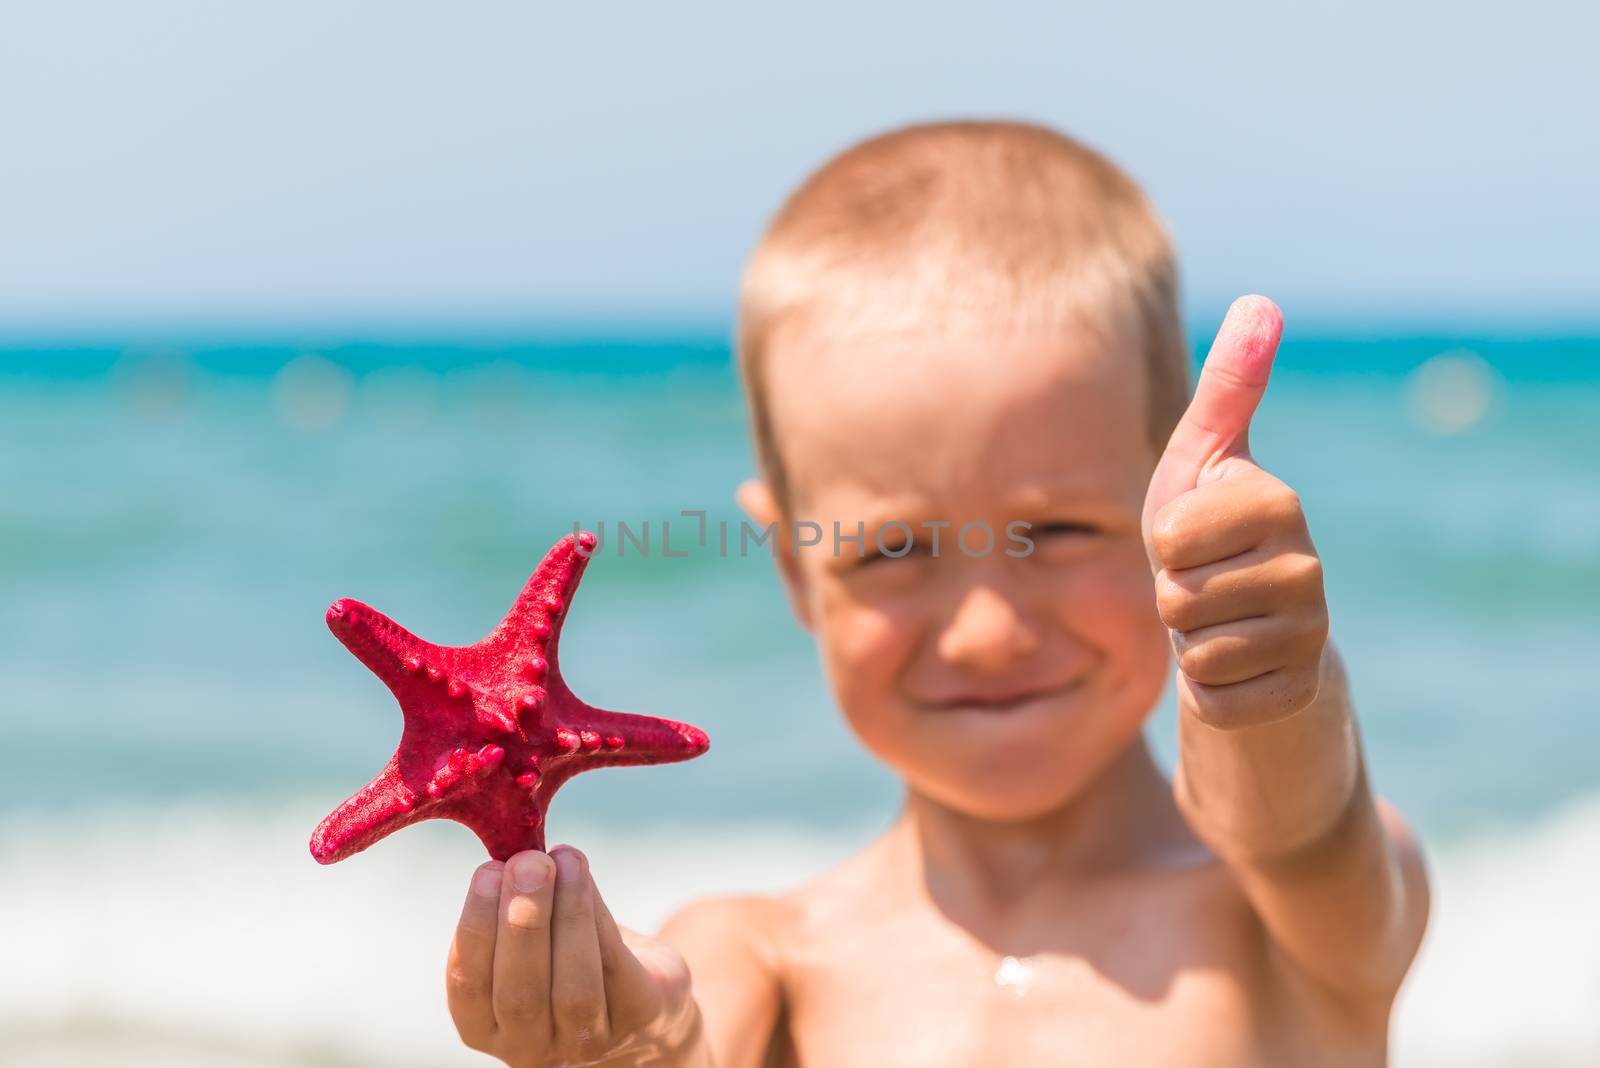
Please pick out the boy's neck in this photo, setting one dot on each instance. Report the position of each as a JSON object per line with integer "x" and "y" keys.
{"x": 1125, "y": 819}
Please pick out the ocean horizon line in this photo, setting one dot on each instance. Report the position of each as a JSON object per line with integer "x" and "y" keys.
{"x": 646, "y": 349}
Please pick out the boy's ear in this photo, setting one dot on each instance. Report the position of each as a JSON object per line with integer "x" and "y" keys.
{"x": 761, "y": 505}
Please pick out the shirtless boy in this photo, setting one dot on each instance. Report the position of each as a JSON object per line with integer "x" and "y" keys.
{"x": 976, "y": 324}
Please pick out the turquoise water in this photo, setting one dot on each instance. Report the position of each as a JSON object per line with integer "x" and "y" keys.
{"x": 172, "y": 527}
{"x": 175, "y": 519}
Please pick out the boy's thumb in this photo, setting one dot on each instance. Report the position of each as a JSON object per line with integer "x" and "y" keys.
{"x": 1216, "y": 425}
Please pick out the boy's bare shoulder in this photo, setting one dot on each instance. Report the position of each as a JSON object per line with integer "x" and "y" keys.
{"x": 734, "y": 946}
{"x": 767, "y": 924}
{"x": 739, "y": 949}
{"x": 754, "y": 921}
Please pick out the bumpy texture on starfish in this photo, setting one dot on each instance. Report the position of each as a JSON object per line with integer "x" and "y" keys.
{"x": 491, "y": 730}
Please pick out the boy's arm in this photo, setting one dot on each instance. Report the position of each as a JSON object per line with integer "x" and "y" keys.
{"x": 1335, "y": 875}
{"x": 1271, "y": 774}
{"x": 727, "y": 943}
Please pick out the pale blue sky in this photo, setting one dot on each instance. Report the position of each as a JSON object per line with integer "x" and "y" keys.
{"x": 393, "y": 163}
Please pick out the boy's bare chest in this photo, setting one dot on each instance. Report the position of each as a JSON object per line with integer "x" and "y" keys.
{"x": 1132, "y": 989}
{"x": 1037, "y": 1010}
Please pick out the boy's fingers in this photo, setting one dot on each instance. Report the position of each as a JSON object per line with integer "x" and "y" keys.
{"x": 522, "y": 950}
{"x": 1257, "y": 583}
{"x": 633, "y": 998}
{"x": 1238, "y": 651}
{"x": 1221, "y": 519}
{"x": 577, "y": 984}
{"x": 469, "y": 975}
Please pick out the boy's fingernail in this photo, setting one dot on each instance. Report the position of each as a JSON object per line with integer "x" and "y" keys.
{"x": 567, "y": 864}
{"x": 527, "y": 873}
{"x": 486, "y": 882}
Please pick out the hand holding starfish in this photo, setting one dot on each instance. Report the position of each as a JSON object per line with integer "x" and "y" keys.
{"x": 540, "y": 974}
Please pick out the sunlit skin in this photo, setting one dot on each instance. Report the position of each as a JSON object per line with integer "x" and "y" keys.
{"x": 1262, "y": 909}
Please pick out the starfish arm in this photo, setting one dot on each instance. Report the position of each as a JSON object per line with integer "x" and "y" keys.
{"x": 626, "y": 738}
{"x": 533, "y": 625}
{"x": 390, "y": 651}
{"x": 379, "y": 808}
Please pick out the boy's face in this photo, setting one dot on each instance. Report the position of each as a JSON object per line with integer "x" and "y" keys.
{"x": 998, "y": 685}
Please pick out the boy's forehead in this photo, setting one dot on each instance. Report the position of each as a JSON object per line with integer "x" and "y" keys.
{"x": 941, "y": 416}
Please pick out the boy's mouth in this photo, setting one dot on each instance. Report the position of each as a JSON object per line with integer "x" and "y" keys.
{"x": 997, "y": 701}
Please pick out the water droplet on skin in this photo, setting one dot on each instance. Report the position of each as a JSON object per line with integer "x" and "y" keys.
{"x": 1015, "y": 976}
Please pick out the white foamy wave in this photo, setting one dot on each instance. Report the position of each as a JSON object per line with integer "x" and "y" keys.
{"x": 1510, "y": 970}
{"x": 207, "y": 936}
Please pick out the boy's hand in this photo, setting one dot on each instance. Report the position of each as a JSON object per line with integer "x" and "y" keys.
{"x": 1270, "y": 773}
{"x": 540, "y": 974}
{"x": 1237, "y": 579}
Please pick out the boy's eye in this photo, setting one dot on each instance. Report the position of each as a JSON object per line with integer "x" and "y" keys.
{"x": 1047, "y": 529}
{"x": 892, "y": 549}
{"x": 1063, "y": 539}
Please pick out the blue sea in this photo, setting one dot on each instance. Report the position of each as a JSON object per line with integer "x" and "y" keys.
{"x": 175, "y": 716}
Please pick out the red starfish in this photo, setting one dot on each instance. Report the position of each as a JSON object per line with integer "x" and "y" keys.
{"x": 491, "y": 730}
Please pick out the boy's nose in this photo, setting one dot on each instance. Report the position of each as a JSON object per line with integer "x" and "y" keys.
{"x": 987, "y": 632}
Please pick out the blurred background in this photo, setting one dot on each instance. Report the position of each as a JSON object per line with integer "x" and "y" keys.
{"x": 314, "y": 300}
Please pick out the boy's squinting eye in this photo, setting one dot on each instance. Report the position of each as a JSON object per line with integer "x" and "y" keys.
{"x": 897, "y": 547}
{"x": 1060, "y": 528}
{"x": 1063, "y": 539}
{"x": 892, "y": 549}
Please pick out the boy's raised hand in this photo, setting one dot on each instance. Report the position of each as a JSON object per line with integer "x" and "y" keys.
{"x": 541, "y": 975}
{"x": 1237, "y": 579}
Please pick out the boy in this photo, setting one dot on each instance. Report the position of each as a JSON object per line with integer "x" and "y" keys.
{"x": 969, "y": 325}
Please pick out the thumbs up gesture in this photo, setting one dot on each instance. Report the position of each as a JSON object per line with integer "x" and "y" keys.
{"x": 1238, "y": 582}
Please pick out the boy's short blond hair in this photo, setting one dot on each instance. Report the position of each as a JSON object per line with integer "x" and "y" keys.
{"x": 967, "y": 227}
